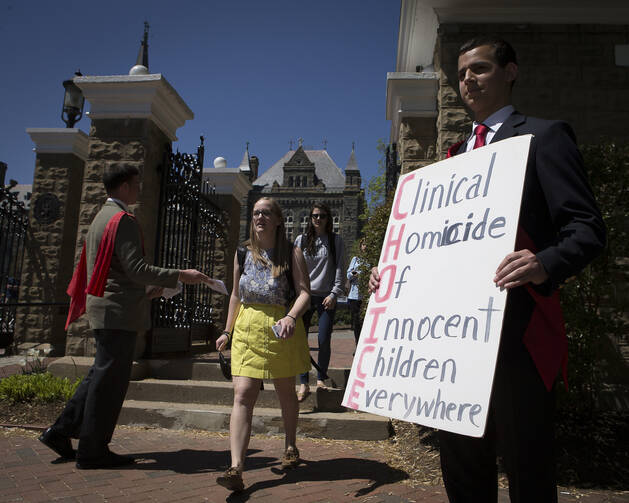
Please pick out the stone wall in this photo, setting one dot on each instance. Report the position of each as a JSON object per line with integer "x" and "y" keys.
{"x": 416, "y": 144}
{"x": 138, "y": 142}
{"x": 49, "y": 253}
{"x": 566, "y": 72}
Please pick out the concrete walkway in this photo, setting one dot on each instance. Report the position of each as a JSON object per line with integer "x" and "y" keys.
{"x": 183, "y": 466}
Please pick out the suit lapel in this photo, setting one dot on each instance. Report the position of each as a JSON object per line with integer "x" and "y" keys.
{"x": 508, "y": 128}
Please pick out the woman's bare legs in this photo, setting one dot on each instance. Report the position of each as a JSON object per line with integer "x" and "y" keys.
{"x": 246, "y": 391}
{"x": 285, "y": 389}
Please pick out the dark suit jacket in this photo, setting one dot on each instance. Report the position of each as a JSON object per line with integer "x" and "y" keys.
{"x": 558, "y": 213}
{"x": 124, "y": 306}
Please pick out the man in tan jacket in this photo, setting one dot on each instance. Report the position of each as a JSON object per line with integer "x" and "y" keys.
{"x": 115, "y": 318}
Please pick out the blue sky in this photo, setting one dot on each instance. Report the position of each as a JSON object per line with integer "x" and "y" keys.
{"x": 263, "y": 72}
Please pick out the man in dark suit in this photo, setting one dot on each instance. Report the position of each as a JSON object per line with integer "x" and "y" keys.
{"x": 560, "y": 232}
{"x": 115, "y": 315}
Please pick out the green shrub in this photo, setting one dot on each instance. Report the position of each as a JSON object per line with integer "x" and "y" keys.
{"x": 36, "y": 388}
{"x": 595, "y": 303}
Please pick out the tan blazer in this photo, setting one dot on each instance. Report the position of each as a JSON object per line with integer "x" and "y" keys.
{"x": 124, "y": 306}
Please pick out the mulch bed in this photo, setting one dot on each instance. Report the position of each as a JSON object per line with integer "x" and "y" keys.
{"x": 592, "y": 451}
{"x": 31, "y": 414}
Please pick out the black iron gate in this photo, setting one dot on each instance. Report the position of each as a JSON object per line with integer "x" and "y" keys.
{"x": 188, "y": 226}
{"x": 392, "y": 169}
{"x": 13, "y": 225}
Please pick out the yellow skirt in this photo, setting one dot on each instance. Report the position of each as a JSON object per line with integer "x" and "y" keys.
{"x": 256, "y": 352}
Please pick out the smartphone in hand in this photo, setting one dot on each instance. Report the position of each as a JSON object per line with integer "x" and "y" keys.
{"x": 276, "y": 330}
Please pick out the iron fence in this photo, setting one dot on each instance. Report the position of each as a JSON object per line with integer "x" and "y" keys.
{"x": 13, "y": 226}
{"x": 188, "y": 226}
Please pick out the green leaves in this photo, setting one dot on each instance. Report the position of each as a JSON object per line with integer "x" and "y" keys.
{"x": 36, "y": 388}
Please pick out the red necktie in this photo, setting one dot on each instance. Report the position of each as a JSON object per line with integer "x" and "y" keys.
{"x": 480, "y": 132}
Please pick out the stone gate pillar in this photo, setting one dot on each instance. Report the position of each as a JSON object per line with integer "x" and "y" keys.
{"x": 51, "y": 237}
{"x": 134, "y": 120}
{"x": 232, "y": 187}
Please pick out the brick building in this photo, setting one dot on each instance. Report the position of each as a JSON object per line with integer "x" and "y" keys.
{"x": 573, "y": 61}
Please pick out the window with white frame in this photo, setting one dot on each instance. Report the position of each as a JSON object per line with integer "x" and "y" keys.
{"x": 289, "y": 224}
{"x": 336, "y": 223}
{"x": 304, "y": 223}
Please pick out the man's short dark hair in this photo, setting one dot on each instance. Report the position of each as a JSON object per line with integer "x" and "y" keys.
{"x": 503, "y": 52}
{"x": 115, "y": 175}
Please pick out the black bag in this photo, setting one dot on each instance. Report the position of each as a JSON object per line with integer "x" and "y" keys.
{"x": 226, "y": 366}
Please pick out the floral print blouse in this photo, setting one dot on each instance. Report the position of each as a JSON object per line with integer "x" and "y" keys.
{"x": 257, "y": 286}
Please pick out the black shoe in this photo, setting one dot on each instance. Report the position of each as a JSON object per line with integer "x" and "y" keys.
{"x": 109, "y": 460}
{"x": 58, "y": 443}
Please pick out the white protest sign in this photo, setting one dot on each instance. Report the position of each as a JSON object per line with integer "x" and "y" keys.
{"x": 428, "y": 347}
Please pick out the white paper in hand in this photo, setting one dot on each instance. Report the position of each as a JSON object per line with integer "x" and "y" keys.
{"x": 217, "y": 285}
{"x": 168, "y": 293}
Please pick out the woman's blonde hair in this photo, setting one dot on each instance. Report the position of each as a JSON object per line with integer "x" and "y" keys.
{"x": 279, "y": 262}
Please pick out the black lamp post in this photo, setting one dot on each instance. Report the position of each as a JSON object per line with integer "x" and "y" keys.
{"x": 73, "y": 101}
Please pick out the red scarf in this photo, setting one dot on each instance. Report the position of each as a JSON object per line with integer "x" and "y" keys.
{"x": 77, "y": 288}
{"x": 545, "y": 335}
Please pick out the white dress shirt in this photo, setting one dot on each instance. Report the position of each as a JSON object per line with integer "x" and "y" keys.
{"x": 493, "y": 122}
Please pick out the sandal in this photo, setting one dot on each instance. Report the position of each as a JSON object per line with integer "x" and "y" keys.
{"x": 302, "y": 395}
{"x": 231, "y": 479}
{"x": 290, "y": 458}
{"x": 321, "y": 385}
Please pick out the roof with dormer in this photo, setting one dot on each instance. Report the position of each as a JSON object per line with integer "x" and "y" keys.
{"x": 325, "y": 168}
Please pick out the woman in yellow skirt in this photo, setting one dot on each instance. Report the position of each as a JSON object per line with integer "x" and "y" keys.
{"x": 266, "y": 331}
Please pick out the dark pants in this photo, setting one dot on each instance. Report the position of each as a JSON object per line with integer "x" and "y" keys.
{"x": 326, "y": 321}
{"x": 92, "y": 412}
{"x": 357, "y": 320}
{"x": 519, "y": 429}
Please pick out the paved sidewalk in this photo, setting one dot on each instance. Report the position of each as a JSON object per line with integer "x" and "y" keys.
{"x": 183, "y": 466}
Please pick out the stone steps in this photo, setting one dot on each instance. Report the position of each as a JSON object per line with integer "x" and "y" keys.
{"x": 221, "y": 393}
{"x": 192, "y": 393}
{"x": 172, "y": 415}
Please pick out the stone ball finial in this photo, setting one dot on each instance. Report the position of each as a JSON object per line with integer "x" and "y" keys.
{"x": 220, "y": 163}
{"x": 139, "y": 70}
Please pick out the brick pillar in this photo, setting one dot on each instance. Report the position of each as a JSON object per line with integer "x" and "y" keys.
{"x": 51, "y": 237}
{"x": 134, "y": 120}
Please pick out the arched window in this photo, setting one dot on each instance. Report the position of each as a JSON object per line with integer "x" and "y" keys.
{"x": 304, "y": 223}
{"x": 289, "y": 224}
{"x": 336, "y": 223}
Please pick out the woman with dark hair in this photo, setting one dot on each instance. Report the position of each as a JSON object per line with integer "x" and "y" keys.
{"x": 353, "y": 296}
{"x": 324, "y": 252}
{"x": 268, "y": 337}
